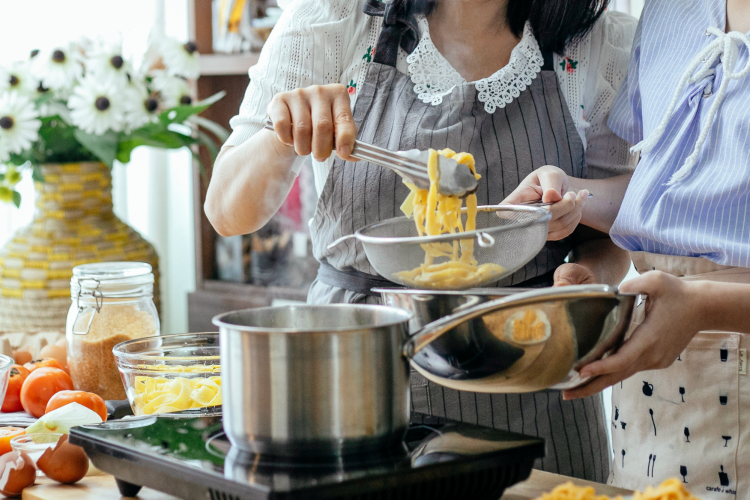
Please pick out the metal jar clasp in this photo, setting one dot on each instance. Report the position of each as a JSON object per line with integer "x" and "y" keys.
{"x": 98, "y": 302}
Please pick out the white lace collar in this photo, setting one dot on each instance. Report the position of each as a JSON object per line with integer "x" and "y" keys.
{"x": 434, "y": 77}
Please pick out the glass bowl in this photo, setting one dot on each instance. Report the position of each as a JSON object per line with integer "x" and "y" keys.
{"x": 6, "y": 362}
{"x": 35, "y": 445}
{"x": 171, "y": 374}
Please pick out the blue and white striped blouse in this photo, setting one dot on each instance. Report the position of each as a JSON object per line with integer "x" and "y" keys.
{"x": 704, "y": 210}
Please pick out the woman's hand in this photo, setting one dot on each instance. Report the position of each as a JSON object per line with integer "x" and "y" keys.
{"x": 552, "y": 185}
{"x": 674, "y": 314}
{"x": 574, "y": 274}
{"x": 312, "y": 119}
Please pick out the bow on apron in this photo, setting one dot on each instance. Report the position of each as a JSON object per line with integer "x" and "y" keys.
{"x": 690, "y": 420}
{"x": 535, "y": 129}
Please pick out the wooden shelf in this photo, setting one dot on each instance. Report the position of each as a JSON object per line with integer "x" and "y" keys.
{"x": 227, "y": 64}
{"x": 274, "y": 292}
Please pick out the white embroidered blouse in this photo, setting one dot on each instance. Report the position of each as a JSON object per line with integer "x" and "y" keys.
{"x": 319, "y": 42}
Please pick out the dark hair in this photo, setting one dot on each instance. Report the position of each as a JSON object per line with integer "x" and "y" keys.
{"x": 555, "y": 23}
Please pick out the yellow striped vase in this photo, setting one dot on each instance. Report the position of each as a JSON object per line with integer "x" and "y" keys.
{"x": 73, "y": 224}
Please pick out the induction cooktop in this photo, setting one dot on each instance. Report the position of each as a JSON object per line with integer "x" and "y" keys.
{"x": 191, "y": 458}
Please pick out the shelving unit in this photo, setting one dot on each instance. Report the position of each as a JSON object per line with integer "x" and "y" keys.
{"x": 227, "y": 64}
{"x": 226, "y": 72}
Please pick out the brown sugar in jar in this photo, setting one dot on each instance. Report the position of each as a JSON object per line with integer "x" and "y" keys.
{"x": 112, "y": 303}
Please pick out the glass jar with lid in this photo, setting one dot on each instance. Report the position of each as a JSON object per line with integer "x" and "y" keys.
{"x": 112, "y": 302}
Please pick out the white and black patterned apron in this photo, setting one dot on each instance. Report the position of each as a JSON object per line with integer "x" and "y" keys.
{"x": 535, "y": 129}
{"x": 688, "y": 420}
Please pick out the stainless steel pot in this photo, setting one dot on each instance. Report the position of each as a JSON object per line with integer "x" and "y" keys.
{"x": 323, "y": 380}
{"x": 314, "y": 380}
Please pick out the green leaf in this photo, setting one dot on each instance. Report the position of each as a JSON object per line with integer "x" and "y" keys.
{"x": 205, "y": 140}
{"x": 36, "y": 173}
{"x": 179, "y": 114}
{"x": 17, "y": 199}
{"x": 220, "y": 132}
{"x": 104, "y": 146}
{"x": 208, "y": 101}
{"x": 165, "y": 139}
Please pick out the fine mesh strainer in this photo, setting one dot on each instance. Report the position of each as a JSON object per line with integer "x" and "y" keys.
{"x": 506, "y": 235}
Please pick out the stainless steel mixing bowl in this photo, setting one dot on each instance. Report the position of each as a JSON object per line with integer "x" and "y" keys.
{"x": 476, "y": 352}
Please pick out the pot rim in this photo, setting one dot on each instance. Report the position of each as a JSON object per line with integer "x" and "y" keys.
{"x": 406, "y": 316}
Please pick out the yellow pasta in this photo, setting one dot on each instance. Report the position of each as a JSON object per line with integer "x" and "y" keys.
{"x": 154, "y": 395}
{"x": 436, "y": 214}
{"x": 529, "y": 327}
{"x": 570, "y": 491}
{"x": 671, "y": 489}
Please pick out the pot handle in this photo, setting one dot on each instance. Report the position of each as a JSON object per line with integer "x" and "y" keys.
{"x": 340, "y": 240}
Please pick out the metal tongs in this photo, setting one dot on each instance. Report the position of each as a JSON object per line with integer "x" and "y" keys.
{"x": 456, "y": 179}
{"x": 540, "y": 203}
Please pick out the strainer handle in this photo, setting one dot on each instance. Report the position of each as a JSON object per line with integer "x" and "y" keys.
{"x": 485, "y": 240}
{"x": 339, "y": 241}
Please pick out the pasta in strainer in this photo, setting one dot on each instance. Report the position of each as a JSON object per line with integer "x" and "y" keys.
{"x": 436, "y": 214}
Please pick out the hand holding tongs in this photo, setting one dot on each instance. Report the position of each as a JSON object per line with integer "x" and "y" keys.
{"x": 539, "y": 203}
{"x": 455, "y": 178}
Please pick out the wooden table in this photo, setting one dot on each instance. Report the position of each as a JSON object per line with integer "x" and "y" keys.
{"x": 103, "y": 488}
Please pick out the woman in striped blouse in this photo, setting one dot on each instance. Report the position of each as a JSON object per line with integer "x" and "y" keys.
{"x": 684, "y": 211}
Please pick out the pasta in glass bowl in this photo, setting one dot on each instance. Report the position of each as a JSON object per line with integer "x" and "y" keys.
{"x": 172, "y": 374}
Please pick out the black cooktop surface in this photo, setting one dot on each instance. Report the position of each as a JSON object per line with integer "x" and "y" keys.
{"x": 192, "y": 459}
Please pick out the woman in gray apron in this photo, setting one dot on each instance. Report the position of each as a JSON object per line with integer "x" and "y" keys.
{"x": 534, "y": 129}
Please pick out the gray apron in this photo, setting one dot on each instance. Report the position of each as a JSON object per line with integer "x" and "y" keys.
{"x": 535, "y": 129}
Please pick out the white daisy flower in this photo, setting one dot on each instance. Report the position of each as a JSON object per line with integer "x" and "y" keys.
{"x": 107, "y": 63}
{"x": 180, "y": 59}
{"x": 58, "y": 69}
{"x": 174, "y": 90}
{"x": 19, "y": 123}
{"x": 96, "y": 107}
{"x": 18, "y": 78}
{"x": 4, "y": 153}
{"x": 140, "y": 107}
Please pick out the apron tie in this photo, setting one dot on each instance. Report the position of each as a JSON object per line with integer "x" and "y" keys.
{"x": 726, "y": 48}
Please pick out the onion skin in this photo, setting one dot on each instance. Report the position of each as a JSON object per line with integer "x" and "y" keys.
{"x": 65, "y": 463}
{"x": 16, "y": 473}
